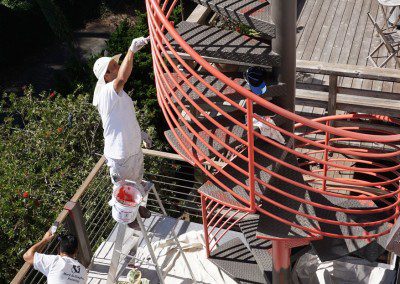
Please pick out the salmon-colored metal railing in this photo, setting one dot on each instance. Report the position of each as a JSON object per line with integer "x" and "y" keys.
{"x": 343, "y": 162}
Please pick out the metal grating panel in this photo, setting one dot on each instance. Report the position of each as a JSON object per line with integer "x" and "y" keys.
{"x": 224, "y": 44}
{"x": 236, "y": 260}
{"x": 253, "y": 13}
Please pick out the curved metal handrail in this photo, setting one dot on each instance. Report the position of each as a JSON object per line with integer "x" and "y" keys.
{"x": 317, "y": 142}
{"x": 246, "y": 93}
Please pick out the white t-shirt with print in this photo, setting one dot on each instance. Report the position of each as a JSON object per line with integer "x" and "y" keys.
{"x": 60, "y": 269}
{"x": 122, "y": 134}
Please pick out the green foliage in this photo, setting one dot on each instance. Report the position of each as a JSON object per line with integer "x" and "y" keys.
{"x": 17, "y": 4}
{"x": 48, "y": 143}
{"x": 47, "y": 149}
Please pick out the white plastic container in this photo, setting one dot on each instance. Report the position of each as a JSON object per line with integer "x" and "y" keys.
{"x": 125, "y": 202}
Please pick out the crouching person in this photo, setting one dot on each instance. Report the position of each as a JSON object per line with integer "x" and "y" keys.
{"x": 61, "y": 268}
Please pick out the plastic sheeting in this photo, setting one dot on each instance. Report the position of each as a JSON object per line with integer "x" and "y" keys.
{"x": 310, "y": 270}
{"x": 173, "y": 265}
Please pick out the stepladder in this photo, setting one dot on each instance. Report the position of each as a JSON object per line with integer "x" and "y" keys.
{"x": 116, "y": 268}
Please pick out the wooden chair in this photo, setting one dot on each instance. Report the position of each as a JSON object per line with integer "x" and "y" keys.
{"x": 391, "y": 40}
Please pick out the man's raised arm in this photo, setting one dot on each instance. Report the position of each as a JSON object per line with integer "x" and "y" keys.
{"x": 126, "y": 67}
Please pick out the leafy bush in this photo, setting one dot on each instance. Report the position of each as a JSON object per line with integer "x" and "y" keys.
{"x": 47, "y": 149}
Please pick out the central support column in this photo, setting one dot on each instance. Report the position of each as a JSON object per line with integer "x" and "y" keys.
{"x": 284, "y": 15}
{"x": 281, "y": 263}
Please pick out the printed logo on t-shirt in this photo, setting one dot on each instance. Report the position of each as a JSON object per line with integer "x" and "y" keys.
{"x": 76, "y": 269}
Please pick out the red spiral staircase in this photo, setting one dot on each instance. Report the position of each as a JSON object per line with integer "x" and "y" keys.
{"x": 283, "y": 179}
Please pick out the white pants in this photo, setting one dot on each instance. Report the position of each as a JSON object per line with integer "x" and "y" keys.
{"x": 130, "y": 168}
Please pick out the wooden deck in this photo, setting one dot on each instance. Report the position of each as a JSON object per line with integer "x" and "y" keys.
{"x": 339, "y": 31}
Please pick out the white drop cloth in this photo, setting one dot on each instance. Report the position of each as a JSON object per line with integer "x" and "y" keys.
{"x": 390, "y": 3}
{"x": 173, "y": 264}
{"x": 346, "y": 270}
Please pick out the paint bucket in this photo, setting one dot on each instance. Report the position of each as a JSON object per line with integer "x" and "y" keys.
{"x": 125, "y": 201}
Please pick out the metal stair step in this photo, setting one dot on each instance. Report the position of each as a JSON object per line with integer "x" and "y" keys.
{"x": 273, "y": 90}
{"x": 214, "y": 191}
{"x": 204, "y": 150}
{"x": 213, "y": 81}
{"x": 330, "y": 249}
{"x": 253, "y": 13}
{"x": 261, "y": 249}
{"x": 270, "y": 228}
{"x": 225, "y": 44}
{"x": 236, "y": 260}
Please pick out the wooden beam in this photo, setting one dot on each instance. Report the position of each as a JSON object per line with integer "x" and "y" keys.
{"x": 332, "y": 99}
{"x": 349, "y": 102}
{"x": 351, "y": 71}
{"x": 76, "y": 225}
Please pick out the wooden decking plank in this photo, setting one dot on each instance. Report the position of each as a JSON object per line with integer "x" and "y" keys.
{"x": 320, "y": 31}
{"x": 303, "y": 43}
{"x": 340, "y": 38}
{"x": 302, "y": 22}
{"x": 316, "y": 32}
{"x": 356, "y": 38}
{"x": 382, "y": 54}
{"x": 366, "y": 44}
{"x": 329, "y": 43}
{"x": 325, "y": 30}
{"x": 344, "y": 25}
{"x": 303, "y": 19}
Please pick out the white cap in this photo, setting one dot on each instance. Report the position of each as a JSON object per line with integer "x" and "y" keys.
{"x": 100, "y": 69}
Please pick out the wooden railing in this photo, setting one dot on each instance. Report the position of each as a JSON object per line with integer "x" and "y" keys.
{"x": 72, "y": 216}
{"x": 88, "y": 216}
{"x": 334, "y": 96}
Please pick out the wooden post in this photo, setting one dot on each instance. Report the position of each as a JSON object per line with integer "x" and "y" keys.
{"x": 332, "y": 99}
{"x": 76, "y": 226}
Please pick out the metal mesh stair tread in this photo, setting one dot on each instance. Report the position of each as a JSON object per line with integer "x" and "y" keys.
{"x": 236, "y": 260}
{"x": 213, "y": 81}
{"x": 253, "y": 13}
{"x": 204, "y": 150}
{"x": 273, "y": 90}
{"x": 212, "y": 190}
{"x": 272, "y": 228}
{"x": 259, "y": 248}
{"x": 219, "y": 43}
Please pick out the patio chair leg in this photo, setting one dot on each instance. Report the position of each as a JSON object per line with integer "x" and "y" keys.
{"x": 372, "y": 61}
{"x": 376, "y": 49}
{"x": 387, "y": 59}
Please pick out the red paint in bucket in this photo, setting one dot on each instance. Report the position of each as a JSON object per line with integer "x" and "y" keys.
{"x": 128, "y": 195}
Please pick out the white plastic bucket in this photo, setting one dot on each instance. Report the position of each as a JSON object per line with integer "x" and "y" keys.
{"x": 125, "y": 202}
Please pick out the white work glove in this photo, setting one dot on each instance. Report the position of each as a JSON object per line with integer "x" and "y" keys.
{"x": 138, "y": 43}
{"x": 148, "y": 143}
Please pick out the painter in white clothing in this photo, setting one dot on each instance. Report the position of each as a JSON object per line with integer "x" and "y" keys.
{"x": 59, "y": 269}
{"x": 122, "y": 134}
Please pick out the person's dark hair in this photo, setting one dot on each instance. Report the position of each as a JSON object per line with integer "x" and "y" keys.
{"x": 68, "y": 244}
